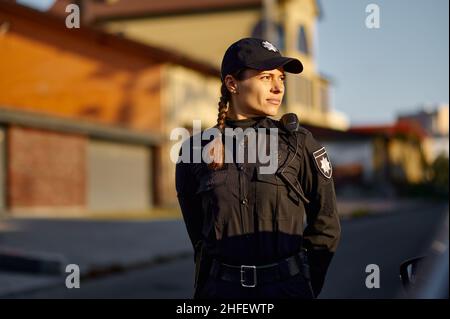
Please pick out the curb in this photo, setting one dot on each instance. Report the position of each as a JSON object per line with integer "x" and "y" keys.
{"x": 92, "y": 273}
{"x": 19, "y": 261}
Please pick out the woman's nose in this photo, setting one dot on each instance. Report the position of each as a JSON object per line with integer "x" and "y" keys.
{"x": 277, "y": 86}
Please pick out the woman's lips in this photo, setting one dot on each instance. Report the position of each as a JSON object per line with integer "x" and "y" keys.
{"x": 273, "y": 101}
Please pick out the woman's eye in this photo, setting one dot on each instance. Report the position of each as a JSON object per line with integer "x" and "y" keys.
{"x": 266, "y": 77}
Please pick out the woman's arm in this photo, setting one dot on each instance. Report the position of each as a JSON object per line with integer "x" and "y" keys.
{"x": 190, "y": 202}
{"x": 322, "y": 234}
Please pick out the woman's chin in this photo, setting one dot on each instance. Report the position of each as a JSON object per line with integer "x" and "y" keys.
{"x": 271, "y": 110}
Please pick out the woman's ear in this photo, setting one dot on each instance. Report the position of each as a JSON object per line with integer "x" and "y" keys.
{"x": 231, "y": 84}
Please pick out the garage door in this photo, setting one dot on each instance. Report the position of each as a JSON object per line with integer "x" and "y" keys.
{"x": 119, "y": 177}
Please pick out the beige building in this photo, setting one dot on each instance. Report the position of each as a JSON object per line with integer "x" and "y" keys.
{"x": 434, "y": 119}
{"x": 204, "y": 29}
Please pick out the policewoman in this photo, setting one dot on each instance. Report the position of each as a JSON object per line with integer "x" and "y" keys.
{"x": 259, "y": 235}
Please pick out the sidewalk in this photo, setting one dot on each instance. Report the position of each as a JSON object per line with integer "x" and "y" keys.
{"x": 105, "y": 246}
{"x": 357, "y": 207}
{"x": 95, "y": 246}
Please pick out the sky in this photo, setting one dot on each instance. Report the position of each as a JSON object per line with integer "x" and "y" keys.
{"x": 379, "y": 73}
{"x": 37, "y": 4}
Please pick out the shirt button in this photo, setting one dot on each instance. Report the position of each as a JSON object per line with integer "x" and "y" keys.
{"x": 244, "y": 201}
{"x": 240, "y": 167}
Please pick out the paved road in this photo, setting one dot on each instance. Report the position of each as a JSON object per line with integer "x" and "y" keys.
{"x": 385, "y": 240}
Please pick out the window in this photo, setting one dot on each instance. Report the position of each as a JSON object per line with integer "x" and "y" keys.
{"x": 302, "y": 42}
{"x": 303, "y": 91}
{"x": 259, "y": 32}
{"x": 324, "y": 98}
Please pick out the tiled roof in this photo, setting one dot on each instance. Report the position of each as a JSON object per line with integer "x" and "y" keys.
{"x": 109, "y": 41}
{"x": 116, "y": 9}
{"x": 99, "y": 10}
{"x": 402, "y": 127}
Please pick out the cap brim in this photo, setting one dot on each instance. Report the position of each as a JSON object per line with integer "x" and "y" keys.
{"x": 290, "y": 65}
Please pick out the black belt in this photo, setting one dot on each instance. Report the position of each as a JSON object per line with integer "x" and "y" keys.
{"x": 250, "y": 275}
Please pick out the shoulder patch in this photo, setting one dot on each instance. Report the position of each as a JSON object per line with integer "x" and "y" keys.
{"x": 322, "y": 162}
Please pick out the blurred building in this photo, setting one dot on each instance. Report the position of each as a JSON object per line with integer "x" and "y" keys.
{"x": 85, "y": 115}
{"x": 435, "y": 121}
{"x": 375, "y": 158}
{"x": 204, "y": 29}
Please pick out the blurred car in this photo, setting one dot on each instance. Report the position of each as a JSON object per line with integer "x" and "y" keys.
{"x": 426, "y": 277}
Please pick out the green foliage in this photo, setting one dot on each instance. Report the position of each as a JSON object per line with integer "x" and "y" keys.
{"x": 435, "y": 187}
{"x": 360, "y": 212}
{"x": 439, "y": 173}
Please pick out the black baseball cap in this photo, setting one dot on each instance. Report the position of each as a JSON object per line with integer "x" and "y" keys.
{"x": 256, "y": 54}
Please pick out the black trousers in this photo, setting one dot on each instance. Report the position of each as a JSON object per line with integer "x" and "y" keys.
{"x": 296, "y": 287}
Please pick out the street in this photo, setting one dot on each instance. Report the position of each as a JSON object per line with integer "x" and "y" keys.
{"x": 385, "y": 240}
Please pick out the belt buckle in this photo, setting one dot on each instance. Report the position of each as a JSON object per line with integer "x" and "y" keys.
{"x": 243, "y": 271}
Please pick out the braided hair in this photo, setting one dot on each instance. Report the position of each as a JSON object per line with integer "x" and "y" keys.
{"x": 225, "y": 98}
{"x": 224, "y": 102}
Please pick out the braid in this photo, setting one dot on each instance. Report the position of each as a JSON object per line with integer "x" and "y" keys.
{"x": 224, "y": 99}
{"x": 223, "y": 109}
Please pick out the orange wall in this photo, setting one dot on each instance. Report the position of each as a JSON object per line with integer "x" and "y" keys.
{"x": 58, "y": 72}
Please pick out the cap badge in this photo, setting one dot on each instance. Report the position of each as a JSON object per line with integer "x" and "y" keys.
{"x": 269, "y": 46}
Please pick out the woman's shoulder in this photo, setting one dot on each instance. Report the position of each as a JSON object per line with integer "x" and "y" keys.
{"x": 300, "y": 132}
{"x": 304, "y": 137}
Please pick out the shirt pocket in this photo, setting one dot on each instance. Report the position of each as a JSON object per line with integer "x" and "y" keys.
{"x": 276, "y": 199}
{"x": 270, "y": 191}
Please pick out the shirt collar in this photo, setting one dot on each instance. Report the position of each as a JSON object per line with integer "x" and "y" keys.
{"x": 255, "y": 122}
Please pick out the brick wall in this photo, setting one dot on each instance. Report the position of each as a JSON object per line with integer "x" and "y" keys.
{"x": 46, "y": 169}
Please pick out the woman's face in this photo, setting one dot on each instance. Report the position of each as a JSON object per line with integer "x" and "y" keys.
{"x": 259, "y": 93}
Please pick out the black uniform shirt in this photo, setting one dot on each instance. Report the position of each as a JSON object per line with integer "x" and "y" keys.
{"x": 246, "y": 217}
